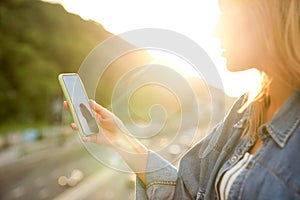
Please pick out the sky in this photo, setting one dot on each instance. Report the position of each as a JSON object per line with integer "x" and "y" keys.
{"x": 195, "y": 19}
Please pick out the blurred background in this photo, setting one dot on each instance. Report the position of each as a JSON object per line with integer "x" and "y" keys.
{"x": 40, "y": 156}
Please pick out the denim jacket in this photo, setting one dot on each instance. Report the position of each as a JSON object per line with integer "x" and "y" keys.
{"x": 272, "y": 173}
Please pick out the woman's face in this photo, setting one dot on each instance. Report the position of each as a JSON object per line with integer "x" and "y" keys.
{"x": 237, "y": 29}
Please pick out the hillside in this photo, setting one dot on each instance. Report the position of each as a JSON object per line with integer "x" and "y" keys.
{"x": 38, "y": 41}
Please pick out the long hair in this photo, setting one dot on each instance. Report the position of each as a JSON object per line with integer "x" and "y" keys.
{"x": 278, "y": 25}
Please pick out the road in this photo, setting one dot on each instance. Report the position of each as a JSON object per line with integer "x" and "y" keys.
{"x": 35, "y": 176}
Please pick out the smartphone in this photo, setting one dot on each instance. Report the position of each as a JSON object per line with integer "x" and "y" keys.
{"x": 77, "y": 99}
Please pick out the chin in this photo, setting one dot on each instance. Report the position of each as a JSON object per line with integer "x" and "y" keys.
{"x": 236, "y": 66}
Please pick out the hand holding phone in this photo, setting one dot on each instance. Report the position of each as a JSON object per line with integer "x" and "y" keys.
{"x": 77, "y": 99}
{"x": 113, "y": 131}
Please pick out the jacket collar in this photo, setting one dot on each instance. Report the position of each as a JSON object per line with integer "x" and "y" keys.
{"x": 284, "y": 123}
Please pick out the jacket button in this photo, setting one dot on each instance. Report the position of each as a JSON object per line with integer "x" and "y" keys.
{"x": 233, "y": 158}
{"x": 249, "y": 165}
{"x": 240, "y": 151}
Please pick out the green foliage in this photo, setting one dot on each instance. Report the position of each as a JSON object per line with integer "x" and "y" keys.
{"x": 38, "y": 41}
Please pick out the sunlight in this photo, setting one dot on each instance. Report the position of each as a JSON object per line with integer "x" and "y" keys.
{"x": 170, "y": 60}
{"x": 235, "y": 84}
{"x": 194, "y": 19}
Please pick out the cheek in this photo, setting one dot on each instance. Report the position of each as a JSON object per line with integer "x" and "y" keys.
{"x": 240, "y": 41}
{"x": 244, "y": 51}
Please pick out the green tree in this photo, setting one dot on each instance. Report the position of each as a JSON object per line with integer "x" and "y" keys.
{"x": 39, "y": 40}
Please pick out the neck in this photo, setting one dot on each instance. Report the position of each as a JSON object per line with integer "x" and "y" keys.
{"x": 279, "y": 93}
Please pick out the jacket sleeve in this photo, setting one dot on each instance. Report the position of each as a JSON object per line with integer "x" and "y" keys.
{"x": 161, "y": 179}
{"x": 164, "y": 182}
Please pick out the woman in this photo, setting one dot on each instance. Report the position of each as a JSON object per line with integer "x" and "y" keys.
{"x": 252, "y": 153}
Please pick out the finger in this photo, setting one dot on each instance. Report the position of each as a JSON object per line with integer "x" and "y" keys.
{"x": 92, "y": 138}
{"x": 74, "y": 127}
{"x": 103, "y": 112}
{"x": 66, "y": 105}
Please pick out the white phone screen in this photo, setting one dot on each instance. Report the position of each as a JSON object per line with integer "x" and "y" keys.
{"x": 79, "y": 100}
